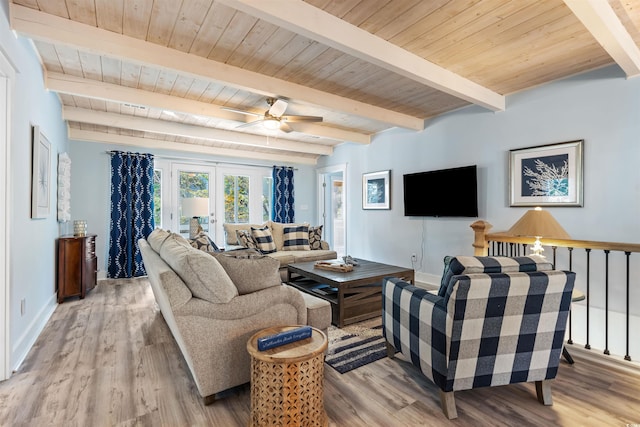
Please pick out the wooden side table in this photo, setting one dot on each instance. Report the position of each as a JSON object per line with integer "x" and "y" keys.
{"x": 287, "y": 381}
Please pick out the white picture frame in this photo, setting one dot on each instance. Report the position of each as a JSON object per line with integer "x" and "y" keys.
{"x": 376, "y": 190}
{"x": 40, "y": 175}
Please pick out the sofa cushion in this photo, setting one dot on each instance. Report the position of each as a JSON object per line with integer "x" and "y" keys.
{"x": 284, "y": 257}
{"x": 264, "y": 239}
{"x": 319, "y": 255}
{"x": 245, "y": 239}
{"x": 202, "y": 273}
{"x": 252, "y": 273}
{"x": 157, "y": 238}
{"x": 296, "y": 238}
{"x": 230, "y": 229}
{"x": 488, "y": 264}
{"x": 315, "y": 238}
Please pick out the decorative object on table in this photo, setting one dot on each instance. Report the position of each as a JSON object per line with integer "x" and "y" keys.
{"x": 195, "y": 207}
{"x": 349, "y": 260}
{"x": 547, "y": 175}
{"x": 334, "y": 266}
{"x": 80, "y": 227}
{"x": 538, "y": 223}
{"x": 284, "y": 338}
{"x": 376, "y": 190}
{"x": 64, "y": 187}
{"x": 41, "y": 175}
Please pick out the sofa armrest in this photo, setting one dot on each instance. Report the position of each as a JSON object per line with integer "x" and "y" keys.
{"x": 247, "y": 305}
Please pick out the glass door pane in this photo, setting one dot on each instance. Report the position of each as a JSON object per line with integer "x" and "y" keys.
{"x": 194, "y": 199}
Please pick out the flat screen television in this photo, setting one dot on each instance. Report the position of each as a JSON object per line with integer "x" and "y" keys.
{"x": 442, "y": 193}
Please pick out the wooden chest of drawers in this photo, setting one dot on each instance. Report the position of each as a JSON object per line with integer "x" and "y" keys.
{"x": 77, "y": 266}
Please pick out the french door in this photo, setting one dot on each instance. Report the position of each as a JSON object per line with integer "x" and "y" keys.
{"x": 193, "y": 197}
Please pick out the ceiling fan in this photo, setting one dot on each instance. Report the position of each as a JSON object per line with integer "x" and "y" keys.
{"x": 273, "y": 118}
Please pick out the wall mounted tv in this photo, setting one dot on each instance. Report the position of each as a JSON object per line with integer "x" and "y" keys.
{"x": 442, "y": 193}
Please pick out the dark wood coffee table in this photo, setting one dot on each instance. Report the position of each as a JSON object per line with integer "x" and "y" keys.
{"x": 355, "y": 295}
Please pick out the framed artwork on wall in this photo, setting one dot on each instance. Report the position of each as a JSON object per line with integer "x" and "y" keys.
{"x": 40, "y": 175}
{"x": 375, "y": 190}
{"x": 547, "y": 175}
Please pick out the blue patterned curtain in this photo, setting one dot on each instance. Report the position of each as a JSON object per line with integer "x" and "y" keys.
{"x": 131, "y": 212}
{"x": 283, "y": 210}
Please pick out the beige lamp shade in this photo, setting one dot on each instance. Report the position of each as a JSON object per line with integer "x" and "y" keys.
{"x": 195, "y": 206}
{"x": 538, "y": 223}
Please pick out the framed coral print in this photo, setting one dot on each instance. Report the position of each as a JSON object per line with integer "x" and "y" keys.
{"x": 547, "y": 175}
{"x": 375, "y": 190}
{"x": 40, "y": 175}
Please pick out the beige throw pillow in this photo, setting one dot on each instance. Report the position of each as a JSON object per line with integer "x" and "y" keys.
{"x": 202, "y": 273}
{"x": 252, "y": 273}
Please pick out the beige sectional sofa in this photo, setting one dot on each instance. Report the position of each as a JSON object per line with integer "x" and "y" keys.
{"x": 282, "y": 254}
{"x": 213, "y": 303}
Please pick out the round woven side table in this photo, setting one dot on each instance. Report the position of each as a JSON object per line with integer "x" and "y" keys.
{"x": 287, "y": 381}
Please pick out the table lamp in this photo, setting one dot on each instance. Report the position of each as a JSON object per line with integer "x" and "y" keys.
{"x": 538, "y": 223}
{"x": 195, "y": 207}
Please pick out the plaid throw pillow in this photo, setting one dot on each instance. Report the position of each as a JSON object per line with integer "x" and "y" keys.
{"x": 315, "y": 238}
{"x": 245, "y": 239}
{"x": 296, "y": 238}
{"x": 264, "y": 240}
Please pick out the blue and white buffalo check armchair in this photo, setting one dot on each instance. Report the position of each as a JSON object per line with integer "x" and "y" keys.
{"x": 494, "y": 321}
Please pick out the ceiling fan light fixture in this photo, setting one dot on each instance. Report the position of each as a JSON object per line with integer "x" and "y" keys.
{"x": 271, "y": 123}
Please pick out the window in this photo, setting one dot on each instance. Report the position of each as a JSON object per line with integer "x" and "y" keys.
{"x": 267, "y": 197}
{"x": 236, "y": 198}
{"x": 157, "y": 198}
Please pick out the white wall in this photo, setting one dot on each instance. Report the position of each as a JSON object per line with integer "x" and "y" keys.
{"x": 32, "y": 242}
{"x": 601, "y": 107}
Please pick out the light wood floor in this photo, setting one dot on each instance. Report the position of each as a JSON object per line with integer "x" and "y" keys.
{"x": 110, "y": 360}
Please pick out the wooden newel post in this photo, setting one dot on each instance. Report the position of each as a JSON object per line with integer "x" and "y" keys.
{"x": 480, "y": 245}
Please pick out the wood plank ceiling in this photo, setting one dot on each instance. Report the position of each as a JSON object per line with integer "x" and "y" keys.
{"x": 156, "y": 73}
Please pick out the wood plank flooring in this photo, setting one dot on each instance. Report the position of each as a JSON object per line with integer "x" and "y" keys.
{"x": 110, "y": 360}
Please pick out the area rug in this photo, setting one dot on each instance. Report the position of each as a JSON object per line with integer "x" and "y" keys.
{"x": 355, "y": 345}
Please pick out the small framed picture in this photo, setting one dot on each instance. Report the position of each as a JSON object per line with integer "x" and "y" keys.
{"x": 375, "y": 190}
{"x": 547, "y": 175}
{"x": 41, "y": 175}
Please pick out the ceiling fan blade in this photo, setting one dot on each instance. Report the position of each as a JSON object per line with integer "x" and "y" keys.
{"x": 301, "y": 118}
{"x": 278, "y": 108}
{"x": 248, "y": 113}
{"x": 244, "y": 125}
{"x": 284, "y": 127}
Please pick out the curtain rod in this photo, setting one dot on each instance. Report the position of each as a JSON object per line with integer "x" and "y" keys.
{"x": 215, "y": 162}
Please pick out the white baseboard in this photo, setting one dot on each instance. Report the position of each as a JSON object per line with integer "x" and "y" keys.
{"x": 427, "y": 281}
{"x": 27, "y": 340}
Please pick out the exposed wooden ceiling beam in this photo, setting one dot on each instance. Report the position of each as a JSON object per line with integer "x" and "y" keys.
{"x": 53, "y": 29}
{"x": 142, "y": 124}
{"x": 605, "y": 26}
{"x": 110, "y": 138}
{"x": 309, "y": 21}
{"x": 72, "y": 85}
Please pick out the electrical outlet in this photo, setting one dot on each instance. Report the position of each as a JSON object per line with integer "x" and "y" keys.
{"x": 414, "y": 257}
{"x": 23, "y": 304}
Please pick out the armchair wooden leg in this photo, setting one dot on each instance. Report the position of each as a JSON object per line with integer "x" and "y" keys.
{"x": 448, "y": 403}
{"x": 543, "y": 391}
{"x": 391, "y": 351}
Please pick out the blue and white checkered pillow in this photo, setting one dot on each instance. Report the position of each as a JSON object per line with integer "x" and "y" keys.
{"x": 296, "y": 238}
{"x": 264, "y": 240}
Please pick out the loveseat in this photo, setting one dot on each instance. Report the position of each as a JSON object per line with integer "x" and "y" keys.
{"x": 289, "y": 244}
{"x": 214, "y": 302}
{"x": 494, "y": 321}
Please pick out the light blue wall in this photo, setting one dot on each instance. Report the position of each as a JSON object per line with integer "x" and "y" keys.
{"x": 601, "y": 107}
{"x": 32, "y": 241}
{"x": 91, "y": 188}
